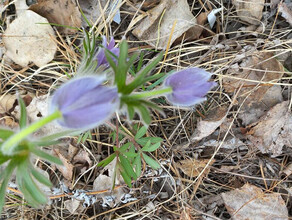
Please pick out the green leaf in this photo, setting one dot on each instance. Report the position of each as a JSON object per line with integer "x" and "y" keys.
{"x": 152, "y": 78}
{"x": 131, "y": 151}
{"x": 139, "y": 80}
{"x": 143, "y": 141}
{"x": 138, "y": 166}
{"x": 124, "y": 147}
{"x": 127, "y": 166}
{"x": 132, "y": 60}
{"x": 107, "y": 160}
{"x": 21, "y": 187}
{"x": 145, "y": 115}
{"x": 44, "y": 143}
{"x": 131, "y": 111}
{"x": 148, "y": 143}
{"x": 46, "y": 156}
{"x": 151, "y": 105}
{"x": 4, "y": 158}
{"x": 151, "y": 162}
{"x": 83, "y": 137}
{"x": 85, "y": 19}
{"x": 126, "y": 178}
{"x": 151, "y": 148}
{"x": 140, "y": 63}
{"x": 5, "y": 133}
{"x": 122, "y": 68}
{"x": 33, "y": 189}
{"x": 110, "y": 60}
{"x": 40, "y": 177}
{"x": 23, "y": 115}
{"x": 123, "y": 52}
{"x": 59, "y": 135}
{"x": 21, "y": 173}
{"x": 160, "y": 80}
{"x": 141, "y": 132}
{"x": 130, "y": 154}
{"x": 79, "y": 139}
{"x": 8, "y": 172}
{"x": 155, "y": 140}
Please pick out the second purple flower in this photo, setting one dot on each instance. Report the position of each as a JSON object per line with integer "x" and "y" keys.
{"x": 101, "y": 58}
{"x": 189, "y": 86}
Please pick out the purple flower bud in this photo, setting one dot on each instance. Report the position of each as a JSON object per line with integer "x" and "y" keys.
{"x": 101, "y": 58}
{"x": 85, "y": 102}
{"x": 189, "y": 86}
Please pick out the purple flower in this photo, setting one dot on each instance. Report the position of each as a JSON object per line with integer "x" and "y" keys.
{"x": 101, "y": 59}
{"x": 189, "y": 86}
{"x": 85, "y": 102}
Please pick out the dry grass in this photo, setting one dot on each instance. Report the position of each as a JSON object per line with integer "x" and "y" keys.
{"x": 174, "y": 194}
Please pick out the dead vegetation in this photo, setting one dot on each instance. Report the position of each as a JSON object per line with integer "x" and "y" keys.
{"x": 229, "y": 157}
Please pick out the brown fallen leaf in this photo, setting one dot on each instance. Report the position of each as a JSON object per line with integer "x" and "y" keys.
{"x": 104, "y": 182}
{"x": 7, "y": 102}
{"x": 257, "y": 97}
{"x": 8, "y": 122}
{"x": 250, "y": 202}
{"x": 97, "y": 10}
{"x": 29, "y": 39}
{"x": 157, "y": 33}
{"x": 273, "y": 130}
{"x": 72, "y": 205}
{"x": 252, "y": 110}
{"x": 274, "y": 3}
{"x": 82, "y": 160}
{"x": 254, "y": 68}
{"x": 63, "y": 12}
{"x": 91, "y": 10}
{"x": 287, "y": 170}
{"x": 229, "y": 143}
{"x": 250, "y": 11}
{"x": 193, "y": 167}
{"x": 37, "y": 109}
{"x": 67, "y": 168}
{"x": 207, "y": 126}
{"x": 285, "y": 12}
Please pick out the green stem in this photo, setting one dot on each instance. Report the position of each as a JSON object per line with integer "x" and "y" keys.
{"x": 9, "y": 145}
{"x": 152, "y": 93}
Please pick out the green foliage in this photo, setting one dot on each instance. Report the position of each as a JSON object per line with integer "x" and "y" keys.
{"x": 130, "y": 155}
{"x": 5, "y": 133}
{"x": 19, "y": 161}
{"x": 89, "y": 62}
{"x": 123, "y": 66}
{"x": 83, "y": 137}
{"x": 26, "y": 174}
{"x": 23, "y": 116}
{"x": 141, "y": 77}
{"x": 16, "y": 148}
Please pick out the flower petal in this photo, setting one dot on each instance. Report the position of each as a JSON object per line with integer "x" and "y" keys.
{"x": 68, "y": 92}
{"x": 85, "y": 102}
{"x": 187, "y": 77}
{"x": 111, "y": 44}
{"x": 89, "y": 117}
{"x": 189, "y": 86}
{"x": 100, "y": 55}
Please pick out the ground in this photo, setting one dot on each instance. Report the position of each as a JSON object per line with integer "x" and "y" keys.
{"x": 228, "y": 157}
